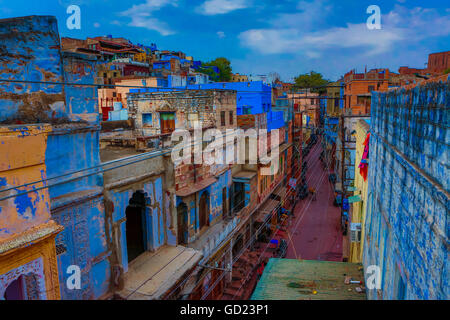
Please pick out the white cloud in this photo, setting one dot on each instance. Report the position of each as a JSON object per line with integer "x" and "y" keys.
{"x": 214, "y": 7}
{"x": 142, "y": 16}
{"x": 309, "y": 14}
{"x": 398, "y": 26}
{"x": 221, "y": 34}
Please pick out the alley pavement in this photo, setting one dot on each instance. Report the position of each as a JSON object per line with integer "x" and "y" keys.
{"x": 315, "y": 232}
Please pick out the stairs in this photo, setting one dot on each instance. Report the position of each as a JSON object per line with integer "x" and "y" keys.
{"x": 243, "y": 276}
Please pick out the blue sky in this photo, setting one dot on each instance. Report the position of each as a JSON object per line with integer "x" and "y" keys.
{"x": 262, "y": 36}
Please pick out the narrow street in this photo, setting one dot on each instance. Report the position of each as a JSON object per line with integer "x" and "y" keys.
{"x": 315, "y": 232}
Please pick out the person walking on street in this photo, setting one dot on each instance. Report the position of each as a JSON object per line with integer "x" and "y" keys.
{"x": 312, "y": 191}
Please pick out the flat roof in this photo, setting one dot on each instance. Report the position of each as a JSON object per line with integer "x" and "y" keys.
{"x": 152, "y": 274}
{"x": 291, "y": 279}
{"x": 244, "y": 174}
{"x": 110, "y": 153}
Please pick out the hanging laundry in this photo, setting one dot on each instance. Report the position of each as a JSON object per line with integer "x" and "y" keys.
{"x": 364, "y": 165}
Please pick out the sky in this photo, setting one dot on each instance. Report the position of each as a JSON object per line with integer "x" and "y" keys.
{"x": 289, "y": 37}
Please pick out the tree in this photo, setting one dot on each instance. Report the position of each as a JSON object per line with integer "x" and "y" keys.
{"x": 224, "y": 66}
{"x": 274, "y": 77}
{"x": 311, "y": 80}
{"x": 447, "y": 71}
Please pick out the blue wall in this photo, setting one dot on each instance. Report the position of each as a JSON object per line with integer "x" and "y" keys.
{"x": 33, "y": 50}
{"x": 255, "y": 95}
{"x": 251, "y": 98}
{"x": 155, "y": 229}
{"x": 407, "y": 224}
{"x": 30, "y": 51}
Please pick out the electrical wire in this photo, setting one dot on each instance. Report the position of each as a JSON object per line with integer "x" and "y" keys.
{"x": 253, "y": 237}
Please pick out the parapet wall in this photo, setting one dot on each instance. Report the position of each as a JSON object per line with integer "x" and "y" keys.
{"x": 406, "y": 229}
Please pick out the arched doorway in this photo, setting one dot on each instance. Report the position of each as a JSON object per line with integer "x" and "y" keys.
{"x": 204, "y": 210}
{"x": 15, "y": 290}
{"x": 135, "y": 226}
{"x": 25, "y": 287}
{"x": 182, "y": 223}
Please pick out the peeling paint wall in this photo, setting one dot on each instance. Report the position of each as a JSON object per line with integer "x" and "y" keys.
{"x": 205, "y": 106}
{"x": 407, "y": 219}
{"x": 81, "y": 102}
{"x": 85, "y": 245}
{"x": 155, "y": 222}
{"x": 215, "y": 203}
{"x": 29, "y": 207}
{"x": 30, "y": 50}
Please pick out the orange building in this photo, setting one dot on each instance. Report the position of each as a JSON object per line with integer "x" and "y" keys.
{"x": 307, "y": 103}
{"x": 438, "y": 62}
{"x": 28, "y": 265}
{"x": 358, "y": 89}
{"x": 107, "y": 96}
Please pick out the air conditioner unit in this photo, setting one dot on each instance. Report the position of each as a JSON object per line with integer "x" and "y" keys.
{"x": 355, "y": 232}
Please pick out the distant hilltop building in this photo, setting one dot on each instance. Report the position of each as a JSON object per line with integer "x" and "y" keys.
{"x": 236, "y": 77}
{"x": 438, "y": 63}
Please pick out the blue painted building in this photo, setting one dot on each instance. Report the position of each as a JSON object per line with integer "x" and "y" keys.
{"x": 407, "y": 219}
{"x": 252, "y": 97}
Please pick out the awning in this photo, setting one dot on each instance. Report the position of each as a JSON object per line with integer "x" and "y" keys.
{"x": 354, "y": 199}
{"x": 153, "y": 274}
{"x": 195, "y": 187}
{"x": 244, "y": 176}
{"x": 266, "y": 209}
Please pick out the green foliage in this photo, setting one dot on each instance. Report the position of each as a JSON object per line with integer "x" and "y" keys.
{"x": 210, "y": 72}
{"x": 447, "y": 71}
{"x": 311, "y": 80}
{"x": 224, "y": 66}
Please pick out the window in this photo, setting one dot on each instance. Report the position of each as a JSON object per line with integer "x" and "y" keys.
{"x": 147, "y": 119}
{"x": 222, "y": 118}
{"x": 231, "y": 117}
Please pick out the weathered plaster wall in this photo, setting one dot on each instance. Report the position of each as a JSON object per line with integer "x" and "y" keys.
{"x": 359, "y": 208}
{"x": 20, "y": 166}
{"x": 224, "y": 181}
{"x": 408, "y": 201}
{"x": 85, "y": 246}
{"x": 215, "y": 204}
{"x": 156, "y": 221}
{"x": 204, "y": 106}
{"x": 81, "y": 101}
{"x": 30, "y": 50}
